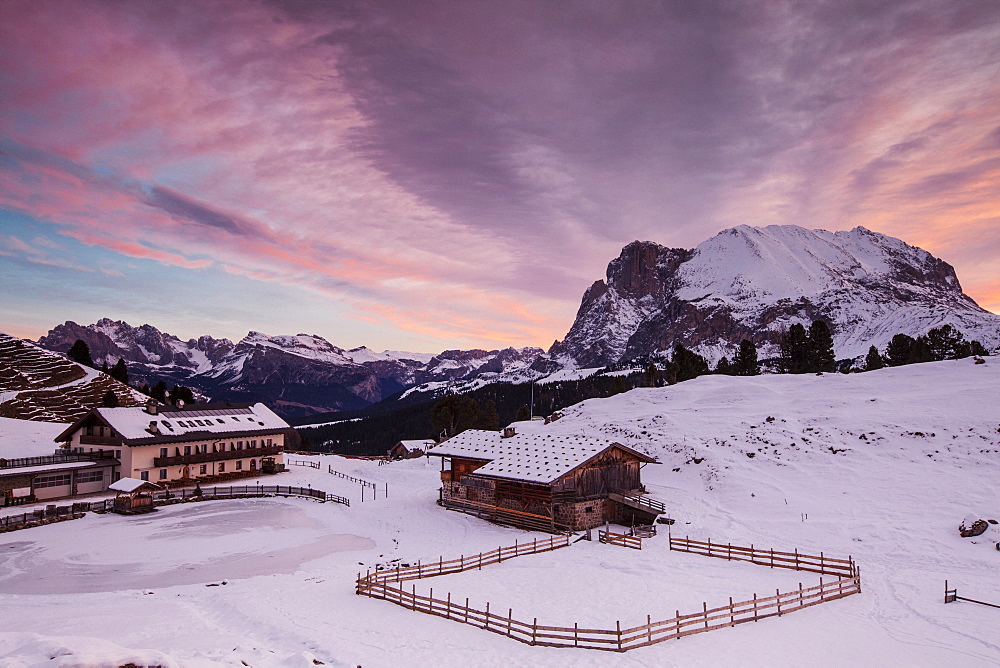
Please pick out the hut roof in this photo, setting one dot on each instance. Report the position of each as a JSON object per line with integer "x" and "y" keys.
{"x": 131, "y": 485}
{"x": 528, "y": 457}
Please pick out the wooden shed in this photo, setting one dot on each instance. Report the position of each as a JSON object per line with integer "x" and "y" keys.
{"x": 545, "y": 482}
{"x": 410, "y": 449}
{"x": 134, "y": 496}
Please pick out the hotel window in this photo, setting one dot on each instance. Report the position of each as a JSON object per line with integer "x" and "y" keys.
{"x": 203, "y": 470}
{"x": 144, "y": 475}
{"x": 269, "y": 443}
{"x": 239, "y": 465}
{"x": 163, "y": 452}
{"x": 163, "y": 474}
{"x": 239, "y": 445}
{"x": 222, "y": 467}
{"x": 187, "y": 449}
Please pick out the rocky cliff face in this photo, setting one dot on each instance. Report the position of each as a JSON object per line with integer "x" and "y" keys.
{"x": 753, "y": 283}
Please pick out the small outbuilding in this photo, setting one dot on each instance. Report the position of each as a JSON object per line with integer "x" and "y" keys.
{"x": 134, "y": 496}
{"x": 410, "y": 449}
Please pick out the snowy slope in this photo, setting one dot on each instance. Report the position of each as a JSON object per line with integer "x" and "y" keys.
{"x": 28, "y": 438}
{"x": 881, "y": 466}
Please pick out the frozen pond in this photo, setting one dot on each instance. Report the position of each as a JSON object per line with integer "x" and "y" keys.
{"x": 181, "y": 544}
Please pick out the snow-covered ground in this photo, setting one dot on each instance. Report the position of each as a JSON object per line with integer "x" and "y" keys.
{"x": 881, "y": 466}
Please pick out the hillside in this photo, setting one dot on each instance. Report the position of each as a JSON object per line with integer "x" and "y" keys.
{"x": 36, "y": 384}
{"x": 882, "y": 466}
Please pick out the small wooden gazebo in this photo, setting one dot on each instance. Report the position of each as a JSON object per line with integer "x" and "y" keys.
{"x": 134, "y": 496}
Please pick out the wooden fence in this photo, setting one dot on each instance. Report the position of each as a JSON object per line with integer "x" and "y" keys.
{"x": 951, "y": 595}
{"x": 767, "y": 557}
{"x": 302, "y": 462}
{"x": 363, "y": 483}
{"x": 623, "y": 539}
{"x": 76, "y": 510}
{"x": 380, "y": 585}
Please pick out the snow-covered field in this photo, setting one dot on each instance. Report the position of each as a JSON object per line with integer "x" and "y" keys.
{"x": 882, "y": 466}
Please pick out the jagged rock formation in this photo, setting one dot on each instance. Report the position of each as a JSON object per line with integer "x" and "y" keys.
{"x": 753, "y": 283}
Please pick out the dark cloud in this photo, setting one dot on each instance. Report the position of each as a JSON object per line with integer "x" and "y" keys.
{"x": 187, "y": 209}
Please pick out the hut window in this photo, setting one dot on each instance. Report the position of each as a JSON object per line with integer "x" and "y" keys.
{"x": 588, "y": 509}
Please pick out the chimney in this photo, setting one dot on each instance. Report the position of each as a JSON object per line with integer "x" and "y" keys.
{"x": 508, "y": 432}
{"x": 151, "y": 406}
{"x": 153, "y": 427}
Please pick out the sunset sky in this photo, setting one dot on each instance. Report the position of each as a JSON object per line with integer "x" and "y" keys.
{"x": 430, "y": 175}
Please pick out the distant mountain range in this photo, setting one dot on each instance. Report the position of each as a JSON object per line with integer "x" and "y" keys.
{"x": 296, "y": 375}
{"x": 745, "y": 282}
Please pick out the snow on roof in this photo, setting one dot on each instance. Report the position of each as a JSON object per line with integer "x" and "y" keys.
{"x": 133, "y": 423}
{"x": 131, "y": 484}
{"x": 530, "y": 457}
{"x": 28, "y": 438}
{"x": 61, "y": 466}
{"x": 419, "y": 444}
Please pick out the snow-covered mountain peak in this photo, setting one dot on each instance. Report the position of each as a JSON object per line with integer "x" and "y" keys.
{"x": 751, "y": 282}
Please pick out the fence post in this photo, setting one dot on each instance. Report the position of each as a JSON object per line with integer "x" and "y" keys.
{"x": 777, "y": 597}
{"x": 797, "y": 561}
{"x": 649, "y": 628}
{"x": 448, "y": 610}
{"x": 704, "y": 612}
{"x": 677, "y": 623}
{"x": 732, "y": 614}
{"x": 800, "y": 594}
{"x": 576, "y": 638}
{"x": 729, "y": 551}
{"x": 440, "y": 564}
{"x": 431, "y": 602}
{"x": 510, "y": 614}
{"x": 534, "y": 629}
{"x": 413, "y": 597}
{"x": 487, "y": 627}
{"x": 755, "y": 607}
{"x": 618, "y": 626}
{"x": 772, "y": 557}
{"x": 466, "y": 620}
{"x": 821, "y": 590}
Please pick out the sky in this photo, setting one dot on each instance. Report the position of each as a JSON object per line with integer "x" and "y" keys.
{"x": 454, "y": 174}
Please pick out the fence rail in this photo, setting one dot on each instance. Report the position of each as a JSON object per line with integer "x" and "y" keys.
{"x": 363, "y": 483}
{"x": 42, "y": 516}
{"x": 623, "y": 539}
{"x": 951, "y": 595}
{"x": 797, "y": 561}
{"x": 380, "y": 584}
{"x": 302, "y": 462}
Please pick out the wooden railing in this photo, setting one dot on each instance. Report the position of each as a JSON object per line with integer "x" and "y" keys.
{"x": 40, "y": 516}
{"x": 766, "y": 557}
{"x": 385, "y": 585}
{"x": 203, "y": 457}
{"x": 639, "y": 501}
{"x": 463, "y": 563}
{"x": 45, "y": 460}
{"x": 623, "y": 539}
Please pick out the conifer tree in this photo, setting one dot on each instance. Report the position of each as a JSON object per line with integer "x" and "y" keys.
{"x": 745, "y": 363}
{"x": 159, "y": 391}
{"x": 899, "y": 350}
{"x": 110, "y": 400}
{"x": 79, "y": 352}
{"x": 794, "y": 349}
{"x": 120, "y": 371}
{"x": 689, "y": 364}
{"x": 454, "y": 413}
{"x": 488, "y": 417}
{"x": 523, "y": 413}
{"x": 920, "y": 352}
{"x": 873, "y": 360}
{"x": 724, "y": 367}
{"x": 821, "y": 355}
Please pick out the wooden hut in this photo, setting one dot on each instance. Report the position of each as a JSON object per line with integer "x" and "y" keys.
{"x": 410, "y": 449}
{"x": 543, "y": 481}
{"x": 134, "y": 496}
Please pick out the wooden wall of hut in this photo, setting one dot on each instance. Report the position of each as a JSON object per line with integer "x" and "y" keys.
{"x": 615, "y": 470}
